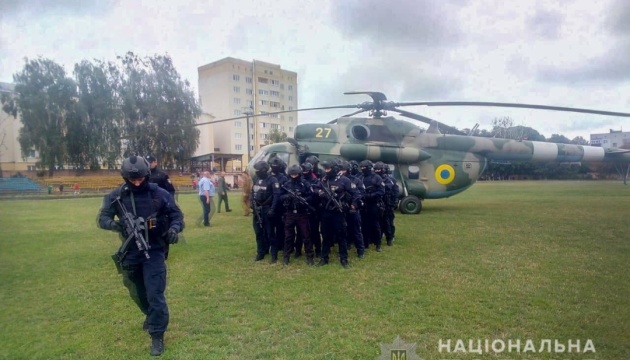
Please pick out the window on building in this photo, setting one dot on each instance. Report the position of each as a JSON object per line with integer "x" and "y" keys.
{"x": 263, "y": 102}
{"x": 263, "y": 80}
{"x": 262, "y": 124}
{"x": 237, "y": 135}
{"x": 290, "y": 87}
{"x": 248, "y": 80}
{"x": 237, "y": 124}
{"x": 290, "y": 108}
{"x": 274, "y": 104}
{"x": 237, "y": 89}
{"x": 264, "y": 136}
{"x": 237, "y": 101}
{"x": 275, "y": 82}
{"x": 250, "y": 103}
{"x": 290, "y": 118}
{"x": 275, "y": 126}
{"x": 249, "y": 91}
{"x": 290, "y": 129}
{"x": 236, "y": 77}
{"x": 274, "y": 93}
{"x": 238, "y": 112}
{"x": 263, "y": 92}
{"x": 238, "y": 147}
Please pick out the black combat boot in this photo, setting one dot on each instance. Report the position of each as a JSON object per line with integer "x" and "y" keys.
{"x": 145, "y": 325}
{"x": 310, "y": 261}
{"x": 274, "y": 259}
{"x": 390, "y": 242}
{"x": 378, "y": 248}
{"x": 361, "y": 255}
{"x": 259, "y": 257}
{"x": 322, "y": 262}
{"x": 157, "y": 345}
{"x": 345, "y": 264}
{"x": 298, "y": 254}
{"x": 285, "y": 260}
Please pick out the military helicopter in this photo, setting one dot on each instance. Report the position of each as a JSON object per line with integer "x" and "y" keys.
{"x": 435, "y": 163}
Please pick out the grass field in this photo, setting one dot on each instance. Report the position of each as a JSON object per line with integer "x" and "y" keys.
{"x": 503, "y": 260}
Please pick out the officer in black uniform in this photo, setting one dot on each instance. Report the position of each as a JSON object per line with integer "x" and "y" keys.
{"x": 314, "y": 160}
{"x": 314, "y": 218}
{"x": 159, "y": 177}
{"x": 353, "y": 217}
{"x": 390, "y": 199}
{"x": 296, "y": 198}
{"x": 372, "y": 211}
{"x": 144, "y": 272}
{"x": 265, "y": 199}
{"x": 278, "y": 167}
{"x": 336, "y": 196}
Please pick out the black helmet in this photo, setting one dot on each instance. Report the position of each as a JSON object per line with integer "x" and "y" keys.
{"x": 344, "y": 165}
{"x": 379, "y": 166}
{"x": 295, "y": 170}
{"x": 134, "y": 167}
{"x": 332, "y": 167}
{"x": 307, "y": 167}
{"x": 150, "y": 158}
{"x": 313, "y": 160}
{"x": 261, "y": 166}
{"x": 366, "y": 164}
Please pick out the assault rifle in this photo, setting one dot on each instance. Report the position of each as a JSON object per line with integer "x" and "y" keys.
{"x": 331, "y": 197}
{"x": 299, "y": 199}
{"x": 132, "y": 228}
{"x": 257, "y": 209}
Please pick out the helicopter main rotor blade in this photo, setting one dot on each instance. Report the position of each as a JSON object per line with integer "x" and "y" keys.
{"x": 424, "y": 119}
{"x": 280, "y": 112}
{"x": 512, "y": 105}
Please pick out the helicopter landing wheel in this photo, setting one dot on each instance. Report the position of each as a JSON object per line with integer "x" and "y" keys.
{"x": 410, "y": 205}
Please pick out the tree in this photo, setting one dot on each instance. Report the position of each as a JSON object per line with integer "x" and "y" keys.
{"x": 276, "y": 136}
{"x": 578, "y": 140}
{"x": 159, "y": 110}
{"x": 95, "y": 140}
{"x": 45, "y": 102}
{"x": 561, "y": 139}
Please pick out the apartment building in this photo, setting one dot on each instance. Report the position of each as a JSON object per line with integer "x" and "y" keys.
{"x": 231, "y": 88}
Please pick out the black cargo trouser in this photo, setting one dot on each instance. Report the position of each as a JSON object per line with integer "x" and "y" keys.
{"x": 299, "y": 222}
{"x": 146, "y": 281}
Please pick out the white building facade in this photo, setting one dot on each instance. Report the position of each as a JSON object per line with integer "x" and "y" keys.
{"x": 232, "y": 88}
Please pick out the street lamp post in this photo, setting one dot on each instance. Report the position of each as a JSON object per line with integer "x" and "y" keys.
{"x": 248, "y": 111}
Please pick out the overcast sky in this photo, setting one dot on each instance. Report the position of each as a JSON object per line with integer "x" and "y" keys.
{"x": 542, "y": 52}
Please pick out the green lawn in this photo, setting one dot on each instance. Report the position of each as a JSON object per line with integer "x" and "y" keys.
{"x": 502, "y": 261}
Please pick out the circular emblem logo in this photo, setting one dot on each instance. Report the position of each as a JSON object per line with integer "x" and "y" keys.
{"x": 444, "y": 174}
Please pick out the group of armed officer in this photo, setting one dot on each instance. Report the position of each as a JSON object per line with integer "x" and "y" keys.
{"x": 310, "y": 208}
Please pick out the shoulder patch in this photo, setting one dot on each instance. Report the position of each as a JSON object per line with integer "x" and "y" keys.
{"x": 277, "y": 185}
{"x": 353, "y": 186}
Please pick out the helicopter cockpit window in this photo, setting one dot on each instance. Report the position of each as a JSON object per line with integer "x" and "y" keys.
{"x": 283, "y": 156}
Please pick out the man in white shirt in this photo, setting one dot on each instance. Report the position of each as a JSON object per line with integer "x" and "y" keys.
{"x": 206, "y": 192}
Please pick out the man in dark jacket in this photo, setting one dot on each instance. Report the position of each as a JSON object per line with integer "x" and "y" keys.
{"x": 158, "y": 220}
{"x": 159, "y": 177}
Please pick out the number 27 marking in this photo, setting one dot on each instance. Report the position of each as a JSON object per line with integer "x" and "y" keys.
{"x": 319, "y": 132}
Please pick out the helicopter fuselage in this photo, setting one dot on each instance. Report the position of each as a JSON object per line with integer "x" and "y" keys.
{"x": 426, "y": 164}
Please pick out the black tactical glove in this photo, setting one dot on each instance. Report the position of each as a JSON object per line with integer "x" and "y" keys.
{"x": 172, "y": 236}
{"x": 321, "y": 193}
{"x": 116, "y": 226}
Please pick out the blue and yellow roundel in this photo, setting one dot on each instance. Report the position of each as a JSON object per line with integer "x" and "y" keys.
{"x": 444, "y": 174}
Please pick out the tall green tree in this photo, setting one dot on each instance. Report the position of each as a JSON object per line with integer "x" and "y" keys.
{"x": 95, "y": 141}
{"x": 46, "y": 100}
{"x": 159, "y": 109}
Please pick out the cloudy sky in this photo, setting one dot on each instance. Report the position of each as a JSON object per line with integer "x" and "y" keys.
{"x": 565, "y": 53}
